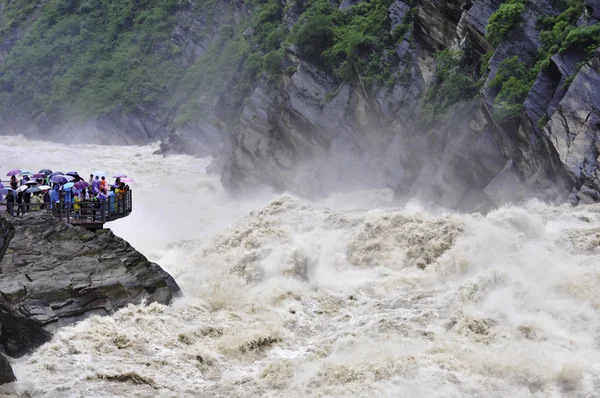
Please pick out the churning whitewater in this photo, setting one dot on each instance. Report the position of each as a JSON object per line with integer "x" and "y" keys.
{"x": 350, "y": 296}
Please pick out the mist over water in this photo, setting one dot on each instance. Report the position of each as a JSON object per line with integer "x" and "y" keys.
{"x": 350, "y": 296}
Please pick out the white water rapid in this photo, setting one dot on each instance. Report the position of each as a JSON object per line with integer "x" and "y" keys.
{"x": 346, "y": 297}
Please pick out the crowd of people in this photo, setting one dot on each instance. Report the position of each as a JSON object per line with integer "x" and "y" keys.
{"x": 29, "y": 192}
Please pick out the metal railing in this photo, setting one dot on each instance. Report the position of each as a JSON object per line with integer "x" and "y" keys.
{"x": 91, "y": 214}
{"x": 101, "y": 211}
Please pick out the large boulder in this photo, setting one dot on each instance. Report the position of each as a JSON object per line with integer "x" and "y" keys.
{"x": 55, "y": 274}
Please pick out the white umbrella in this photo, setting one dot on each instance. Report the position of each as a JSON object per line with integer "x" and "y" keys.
{"x": 69, "y": 178}
{"x": 22, "y": 188}
{"x": 44, "y": 187}
{"x": 100, "y": 173}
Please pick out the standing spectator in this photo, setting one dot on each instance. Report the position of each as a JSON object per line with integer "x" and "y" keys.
{"x": 10, "y": 202}
{"x": 20, "y": 205}
{"x": 68, "y": 198}
{"x": 76, "y": 201}
{"x": 111, "y": 199}
{"x": 104, "y": 185}
{"x": 46, "y": 199}
{"x": 36, "y": 201}
{"x": 26, "y": 200}
{"x": 96, "y": 185}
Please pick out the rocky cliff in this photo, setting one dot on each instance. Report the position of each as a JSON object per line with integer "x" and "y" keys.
{"x": 55, "y": 274}
{"x": 468, "y": 104}
{"x": 316, "y": 134}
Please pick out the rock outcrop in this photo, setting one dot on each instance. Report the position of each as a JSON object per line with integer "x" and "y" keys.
{"x": 6, "y": 372}
{"x": 574, "y": 130}
{"x": 55, "y": 274}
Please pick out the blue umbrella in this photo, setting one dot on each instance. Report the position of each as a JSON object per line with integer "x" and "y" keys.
{"x": 59, "y": 179}
{"x": 68, "y": 185}
{"x": 56, "y": 173}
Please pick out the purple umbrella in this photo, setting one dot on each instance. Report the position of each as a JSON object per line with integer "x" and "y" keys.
{"x": 13, "y": 173}
{"x": 119, "y": 175}
{"x": 101, "y": 196}
{"x": 56, "y": 173}
{"x": 59, "y": 179}
{"x": 72, "y": 174}
{"x": 39, "y": 175}
{"x": 81, "y": 185}
{"x": 45, "y": 171}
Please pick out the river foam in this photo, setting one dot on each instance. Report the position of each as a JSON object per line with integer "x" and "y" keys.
{"x": 350, "y": 296}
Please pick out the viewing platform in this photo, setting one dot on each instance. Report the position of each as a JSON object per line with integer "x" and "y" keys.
{"x": 91, "y": 215}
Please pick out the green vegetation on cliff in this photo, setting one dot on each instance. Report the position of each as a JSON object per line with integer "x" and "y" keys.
{"x": 503, "y": 20}
{"x": 514, "y": 81}
{"x": 351, "y": 44}
{"x": 15, "y": 13}
{"x": 558, "y": 33}
{"x": 449, "y": 86}
{"x": 233, "y": 63}
{"x": 84, "y": 57}
{"x": 348, "y": 44}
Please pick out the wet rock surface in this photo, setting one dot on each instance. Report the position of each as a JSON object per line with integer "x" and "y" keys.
{"x": 573, "y": 129}
{"x": 55, "y": 274}
{"x": 6, "y": 372}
